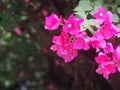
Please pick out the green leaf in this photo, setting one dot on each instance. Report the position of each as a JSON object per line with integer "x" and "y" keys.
{"x": 115, "y": 18}
{"x": 87, "y": 25}
{"x": 85, "y": 4}
{"x": 83, "y": 7}
{"x": 86, "y": 7}
{"x": 7, "y": 35}
{"x": 118, "y": 10}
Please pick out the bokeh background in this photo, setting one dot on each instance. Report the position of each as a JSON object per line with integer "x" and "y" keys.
{"x": 27, "y": 63}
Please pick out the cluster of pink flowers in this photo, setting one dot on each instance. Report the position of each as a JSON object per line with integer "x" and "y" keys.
{"x": 108, "y": 57}
{"x": 72, "y": 39}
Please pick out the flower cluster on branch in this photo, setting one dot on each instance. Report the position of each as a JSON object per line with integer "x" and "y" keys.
{"x": 72, "y": 39}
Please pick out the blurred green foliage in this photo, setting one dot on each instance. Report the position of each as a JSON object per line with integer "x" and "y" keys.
{"x": 86, "y": 8}
{"x": 20, "y": 57}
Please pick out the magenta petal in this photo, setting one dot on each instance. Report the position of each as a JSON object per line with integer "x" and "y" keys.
{"x": 99, "y": 13}
{"x": 99, "y": 70}
{"x": 102, "y": 59}
{"x": 56, "y": 40}
{"x": 118, "y": 66}
{"x": 61, "y": 39}
{"x": 106, "y": 75}
{"x": 116, "y": 53}
{"x": 80, "y": 21}
{"x": 108, "y": 48}
{"x": 107, "y": 17}
{"x": 118, "y": 49}
{"x": 99, "y": 21}
{"x": 59, "y": 53}
{"x": 110, "y": 68}
{"x": 102, "y": 44}
{"x": 70, "y": 57}
{"x": 52, "y": 22}
{"x": 102, "y": 16}
{"x": 106, "y": 69}
{"x": 86, "y": 44}
{"x": 72, "y": 25}
{"x": 78, "y": 43}
{"x": 54, "y": 47}
{"x": 107, "y": 31}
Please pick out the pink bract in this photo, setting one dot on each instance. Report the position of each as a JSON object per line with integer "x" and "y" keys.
{"x": 63, "y": 46}
{"x": 97, "y": 43}
{"x": 99, "y": 13}
{"x": 67, "y": 53}
{"x": 118, "y": 65}
{"x": 106, "y": 69}
{"x": 81, "y": 43}
{"x": 61, "y": 40}
{"x": 101, "y": 16}
{"x": 102, "y": 58}
{"x": 54, "y": 47}
{"x": 52, "y": 22}
{"x": 72, "y": 25}
{"x": 116, "y": 57}
{"x": 108, "y": 48}
{"x": 107, "y": 31}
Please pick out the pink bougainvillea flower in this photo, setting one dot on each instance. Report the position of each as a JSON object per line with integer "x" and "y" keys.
{"x": 101, "y": 15}
{"x": 72, "y": 25}
{"x": 63, "y": 46}
{"x": 116, "y": 57}
{"x": 107, "y": 31}
{"x": 81, "y": 43}
{"x": 106, "y": 69}
{"x": 67, "y": 52}
{"x": 116, "y": 54}
{"x": 118, "y": 65}
{"x": 52, "y": 22}
{"x": 107, "y": 17}
{"x": 61, "y": 40}
{"x": 108, "y": 48}
{"x": 102, "y": 58}
{"x": 54, "y": 47}
{"x": 97, "y": 43}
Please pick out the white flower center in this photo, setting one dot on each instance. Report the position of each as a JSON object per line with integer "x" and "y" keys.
{"x": 101, "y": 14}
{"x": 69, "y": 25}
